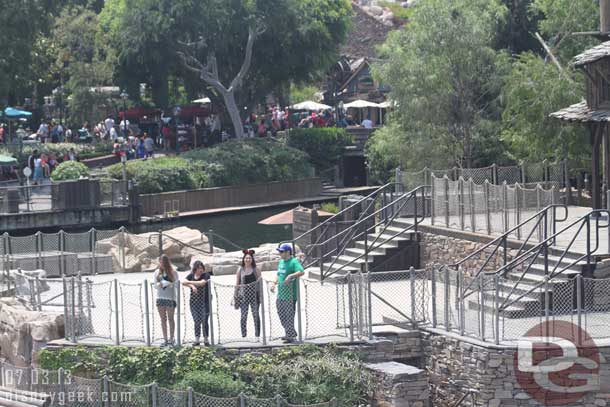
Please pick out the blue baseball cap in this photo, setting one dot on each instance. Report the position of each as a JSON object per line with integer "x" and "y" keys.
{"x": 285, "y": 247}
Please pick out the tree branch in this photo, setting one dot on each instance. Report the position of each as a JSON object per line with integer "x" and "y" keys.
{"x": 551, "y": 55}
{"x": 237, "y": 81}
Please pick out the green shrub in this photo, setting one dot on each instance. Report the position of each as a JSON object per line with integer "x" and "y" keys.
{"x": 162, "y": 174}
{"x": 400, "y": 13}
{"x": 69, "y": 170}
{"x": 247, "y": 161}
{"x": 324, "y": 145}
{"x": 329, "y": 207}
{"x": 215, "y": 384}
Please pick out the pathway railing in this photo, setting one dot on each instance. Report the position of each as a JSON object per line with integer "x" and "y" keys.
{"x": 67, "y": 390}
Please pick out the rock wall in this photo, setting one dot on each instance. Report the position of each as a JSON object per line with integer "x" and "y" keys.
{"x": 454, "y": 365}
{"x": 24, "y": 332}
{"x": 399, "y": 385}
{"x": 440, "y": 249}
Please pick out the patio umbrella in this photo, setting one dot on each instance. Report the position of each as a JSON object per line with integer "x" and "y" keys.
{"x": 286, "y": 218}
{"x": 12, "y": 113}
{"x": 360, "y": 104}
{"x": 6, "y": 160}
{"x": 203, "y": 101}
{"x": 310, "y": 105}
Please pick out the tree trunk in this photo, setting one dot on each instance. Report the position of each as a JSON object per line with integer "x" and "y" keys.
{"x": 231, "y": 104}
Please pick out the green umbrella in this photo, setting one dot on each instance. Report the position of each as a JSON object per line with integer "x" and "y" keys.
{"x": 7, "y": 160}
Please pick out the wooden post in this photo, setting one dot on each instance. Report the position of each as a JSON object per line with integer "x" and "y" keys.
{"x": 596, "y": 135}
{"x": 604, "y": 16}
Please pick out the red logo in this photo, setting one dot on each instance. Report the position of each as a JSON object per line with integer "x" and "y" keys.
{"x": 557, "y": 363}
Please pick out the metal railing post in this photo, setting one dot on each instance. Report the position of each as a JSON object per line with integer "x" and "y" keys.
{"x": 547, "y": 305}
{"x": 538, "y": 204}
{"x": 447, "y": 298}
{"x": 350, "y": 307}
{"x": 497, "y": 308}
{"x": 122, "y": 247}
{"x": 505, "y": 219}
{"x": 38, "y": 240}
{"x": 473, "y": 222}
{"x": 446, "y": 203}
{"x": 153, "y": 393}
{"x": 106, "y": 391}
{"x": 369, "y": 300}
{"x": 460, "y": 299}
{"x": 432, "y": 200}
{"x": 146, "y": 313}
{"x": 397, "y": 180}
{"x": 211, "y": 311}
{"x": 261, "y": 298}
{"x": 494, "y": 174}
{"x": 62, "y": 244}
{"x": 242, "y": 400}
{"x": 487, "y": 210}
{"x": 461, "y": 202}
{"x": 67, "y": 321}
{"x": 62, "y": 384}
{"x": 189, "y": 401}
{"x": 93, "y": 259}
{"x": 412, "y": 293}
{"x": 299, "y": 316}
{"x": 117, "y": 340}
{"x": 482, "y": 305}
{"x": 178, "y": 314}
{"x": 579, "y": 307}
{"x": 433, "y": 288}
{"x": 518, "y": 210}
{"x": 73, "y": 309}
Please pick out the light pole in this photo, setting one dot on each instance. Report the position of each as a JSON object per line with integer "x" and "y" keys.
{"x": 124, "y": 96}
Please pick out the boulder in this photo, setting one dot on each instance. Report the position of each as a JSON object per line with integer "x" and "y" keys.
{"x": 23, "y": 332}
{"x": 376, "y": 10}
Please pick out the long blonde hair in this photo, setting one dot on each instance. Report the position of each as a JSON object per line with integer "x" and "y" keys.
{"x": 166, "y": 268}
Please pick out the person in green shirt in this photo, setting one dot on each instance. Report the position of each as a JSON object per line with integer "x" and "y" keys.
{"x": 289, "y": 269}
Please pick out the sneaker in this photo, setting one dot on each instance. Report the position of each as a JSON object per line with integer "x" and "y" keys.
{"x": 196, "y": 343}
{"x": 206, "y": 342}
{"x": 164, "y": 344}
{"x": 288, "y": 340}
{"x": 171, "y": 343}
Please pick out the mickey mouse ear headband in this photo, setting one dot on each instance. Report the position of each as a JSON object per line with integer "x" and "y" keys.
{"x": 248, "y": 251}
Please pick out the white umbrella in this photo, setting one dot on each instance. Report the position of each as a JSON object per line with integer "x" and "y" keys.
{"x": 360, "y": 104}
{"x": 202, "y": 101}
{"x": 310, "y": 105}
{"x": 386, "y": 104}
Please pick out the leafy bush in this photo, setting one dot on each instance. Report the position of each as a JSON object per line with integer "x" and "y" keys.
{"x": 324, "y": 145}
{"x": 400, "y": 13}
{"x": 212, "y": 384}
{"x": 84, "y": 151}
{"x": 162, "y": 174}
{"x": 301, "y": 374}
{"x": 69, "y": 170}
{"x": 330, "y": 207}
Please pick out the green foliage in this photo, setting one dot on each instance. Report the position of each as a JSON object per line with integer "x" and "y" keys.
{"x": 445, "y": 77}
{"x": 162, "y": 174}
{"x": 303, "y": 375}
{"x": 324, "y": 145}
{"x": 59, "y": 150}
{"x": 400, "y": 12}
{"x": 212, "y": 384}
{"x": 533, "y": 90}
{"x": 70, "y": 170}
{"x": 247, "y": 161}
{"x": 330, "y": 207}
{"x": 302, "y": 93}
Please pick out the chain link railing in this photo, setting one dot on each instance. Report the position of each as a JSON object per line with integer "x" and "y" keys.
{"x": 545, "y": 173}
{"x": 486, "y": 208}
{"x": 57, "y": 388}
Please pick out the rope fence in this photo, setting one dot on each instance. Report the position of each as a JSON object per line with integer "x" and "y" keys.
{"x": 66, "y": 390}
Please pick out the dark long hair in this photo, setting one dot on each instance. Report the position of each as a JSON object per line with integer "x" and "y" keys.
{"x": 166, "y": 265}
{"x": 248, "y": 252}
{"x": 196, "y": 265}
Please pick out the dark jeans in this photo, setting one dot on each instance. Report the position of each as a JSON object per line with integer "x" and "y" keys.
{"x": 252, "y": 303}
{"x": 286, "y": 310}
{"x": 201, "y": 314}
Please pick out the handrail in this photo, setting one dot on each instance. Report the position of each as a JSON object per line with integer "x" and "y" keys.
{"x": 340, "y": 213}
{"x": 511, "y": 231}
{"x": 404, "y": 197}
{"x": 224, "y": 239}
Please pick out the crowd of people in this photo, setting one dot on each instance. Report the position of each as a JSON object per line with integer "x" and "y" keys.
{"x": 42, "y": 165}
{"x": 247, "y": 295}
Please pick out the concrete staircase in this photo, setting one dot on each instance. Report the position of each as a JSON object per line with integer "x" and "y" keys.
{"x": 532, "y": 304}
{"x": 384, "y": 256}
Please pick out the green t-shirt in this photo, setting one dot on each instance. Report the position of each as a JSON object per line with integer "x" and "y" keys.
{"x": 285, "y": 268}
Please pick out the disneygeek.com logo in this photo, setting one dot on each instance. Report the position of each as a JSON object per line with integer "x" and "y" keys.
{"x": 557, "y": 363}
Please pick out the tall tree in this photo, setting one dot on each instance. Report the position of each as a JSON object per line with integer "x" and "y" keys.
{"x": 445, "y": 78}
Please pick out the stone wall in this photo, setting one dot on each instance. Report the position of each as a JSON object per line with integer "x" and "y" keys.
{"x": 399, "y": 385}
{"x": 441, "y": 249}
{"x": 454, "y": 365}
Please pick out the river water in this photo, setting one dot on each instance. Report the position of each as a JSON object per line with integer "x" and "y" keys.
{"x": 241, "y": 227}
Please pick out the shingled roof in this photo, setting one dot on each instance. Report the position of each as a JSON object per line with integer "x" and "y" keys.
{"x": 580, "y": 112}
{"x": 592, "y": 55}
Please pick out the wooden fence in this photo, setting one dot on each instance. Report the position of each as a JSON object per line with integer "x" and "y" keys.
{"x": 223, "y": 197}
